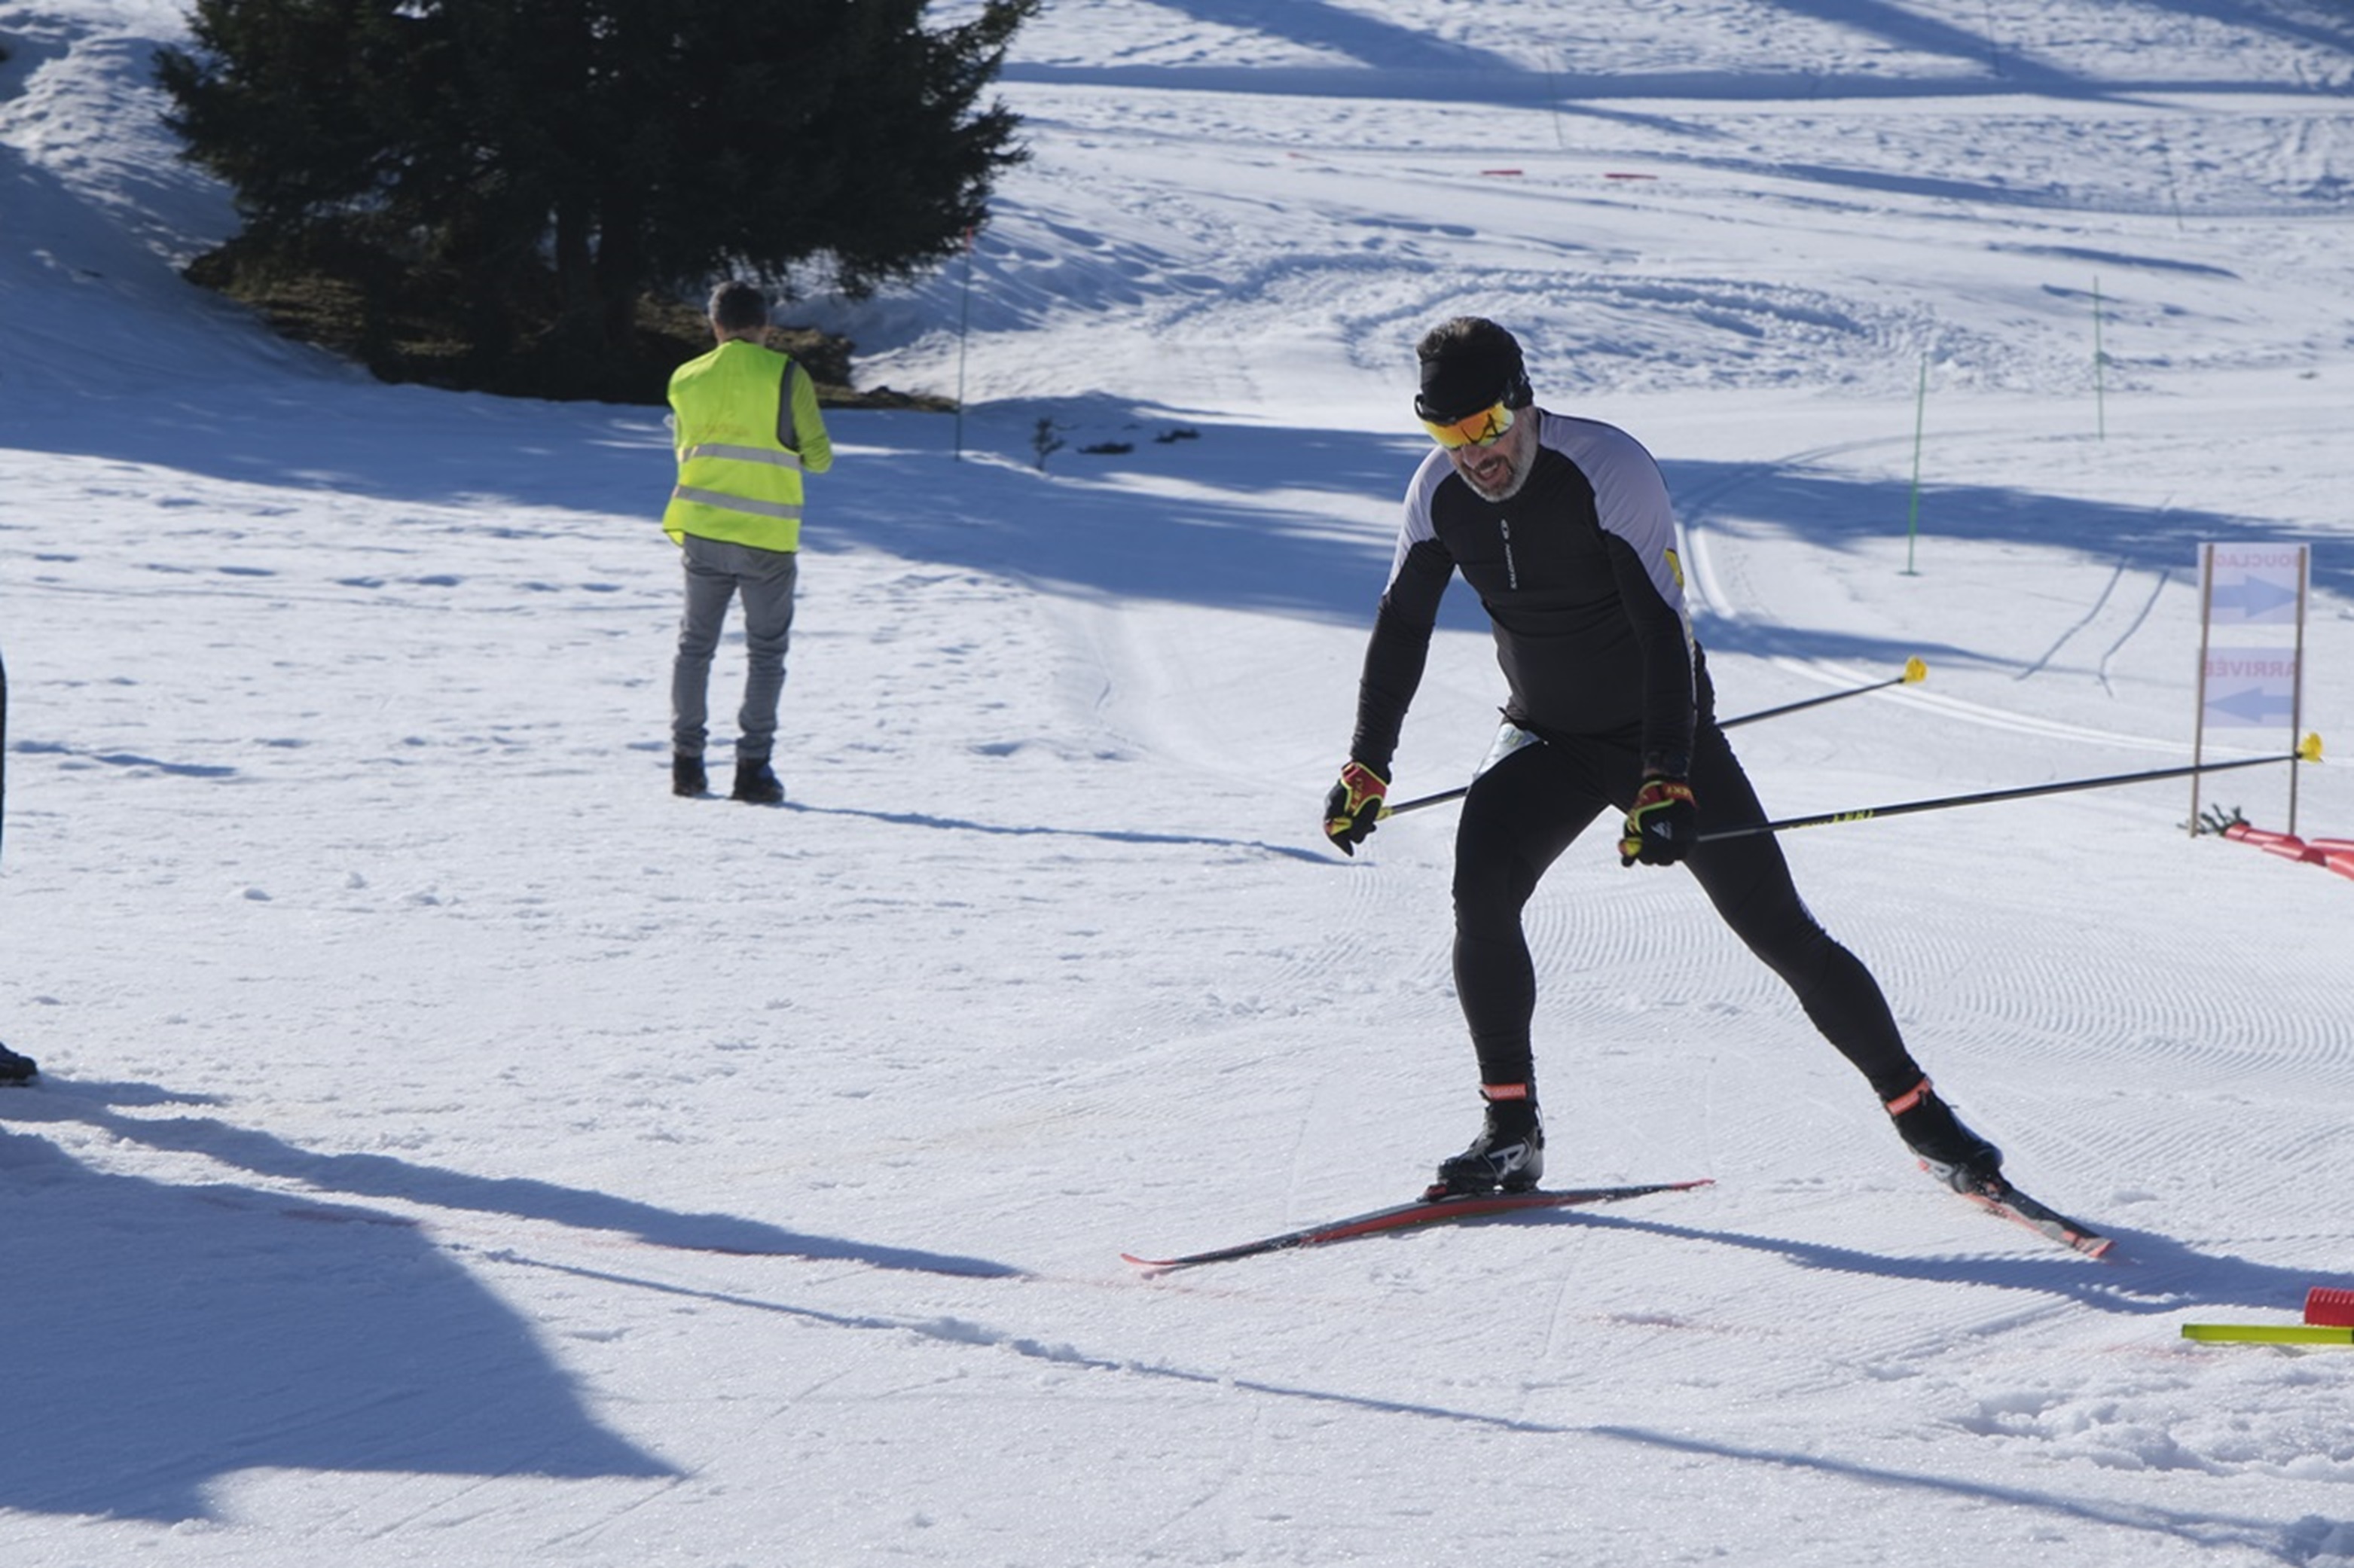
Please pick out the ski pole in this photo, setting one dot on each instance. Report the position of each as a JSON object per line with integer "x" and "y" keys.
{"x": 1438, "y": 799}
{"x": 1915, "y": 673}
{"x": 2309, "y": 751}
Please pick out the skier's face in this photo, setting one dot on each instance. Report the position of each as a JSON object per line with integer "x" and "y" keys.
{"x": 1497, "y": 471}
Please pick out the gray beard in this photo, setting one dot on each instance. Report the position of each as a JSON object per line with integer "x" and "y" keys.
{"x": 1512, "y": 486}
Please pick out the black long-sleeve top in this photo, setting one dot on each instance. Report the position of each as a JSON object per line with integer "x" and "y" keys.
{"x": 1581, "y": 581}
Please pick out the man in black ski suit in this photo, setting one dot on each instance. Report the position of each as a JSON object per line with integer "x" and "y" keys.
{"x": 1563, "y": 527}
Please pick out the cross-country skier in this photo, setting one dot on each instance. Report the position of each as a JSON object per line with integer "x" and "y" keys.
{"x": 1563, "y": 527}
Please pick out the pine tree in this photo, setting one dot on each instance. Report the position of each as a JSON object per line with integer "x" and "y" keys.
{"x": 554, "y": 161}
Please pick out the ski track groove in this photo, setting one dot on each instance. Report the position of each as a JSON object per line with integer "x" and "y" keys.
{"x": 2109, "y": 655}
{"x": 1714, "y": 579}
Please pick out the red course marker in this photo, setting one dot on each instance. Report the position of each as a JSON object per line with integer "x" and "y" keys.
{"x": 2329, "y": 1308}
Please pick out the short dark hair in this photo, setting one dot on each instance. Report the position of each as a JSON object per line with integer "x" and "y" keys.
{"x": 736, "y": 306}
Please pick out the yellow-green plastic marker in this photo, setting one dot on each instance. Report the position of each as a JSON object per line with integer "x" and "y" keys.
{"x": 2271, "y": 1333}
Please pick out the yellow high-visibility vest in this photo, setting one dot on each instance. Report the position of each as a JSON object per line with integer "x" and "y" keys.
{"x": 736, "y": 479}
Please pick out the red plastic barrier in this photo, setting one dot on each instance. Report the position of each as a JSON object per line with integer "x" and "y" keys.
{"x": 2330, "y": 1307}
{"x": 2331, "y": 855}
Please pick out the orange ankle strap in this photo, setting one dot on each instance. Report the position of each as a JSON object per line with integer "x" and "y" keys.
{"x": 1909, "y": 1098}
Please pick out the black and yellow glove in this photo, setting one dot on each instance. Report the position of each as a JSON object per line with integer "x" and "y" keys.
{"x": 1661, "y": 824}
{"x": 1355, "y": 806}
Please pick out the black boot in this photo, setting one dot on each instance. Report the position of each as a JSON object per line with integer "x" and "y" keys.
{"x": 1508, "y": 1155}
{"x": 15, "y": 1069}
{"x": 1948, "y": 1150}
{"x": 755, "y": 784}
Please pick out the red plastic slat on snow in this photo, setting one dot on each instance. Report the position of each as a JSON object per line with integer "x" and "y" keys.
{"x": 2327, "y": 1305}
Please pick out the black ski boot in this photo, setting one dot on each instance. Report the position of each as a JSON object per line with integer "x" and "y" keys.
{"x": 15, "y": 1069}
{"x": 1508, "y": 1155}
{"x": 1948, "y": 1150}
{"x": 686, "y": 775}
{"x": 755, "y": 784}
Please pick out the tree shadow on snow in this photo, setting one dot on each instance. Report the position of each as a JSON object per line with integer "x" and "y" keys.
{"x": 1762, "y": 503}
{"x": 97, "y": 1105}
{"x": 1195, "y": 525}
{"x": 1380, "y": 60}
{"x": 173, "y": 1333}
{"x": 166, "y": 1336}
{"x": 1200, "y": 521}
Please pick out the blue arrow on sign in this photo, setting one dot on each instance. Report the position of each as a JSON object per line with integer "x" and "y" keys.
{"x": 2256, "y": 705}
{"x": 2252, "y": 598}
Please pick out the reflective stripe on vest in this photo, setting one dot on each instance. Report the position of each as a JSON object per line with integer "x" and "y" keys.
{"x": 740, "y": 454}
{"x": 743, "y": 504}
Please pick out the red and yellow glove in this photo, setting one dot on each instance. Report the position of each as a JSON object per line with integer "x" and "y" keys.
{"x": 1355, "y": 806}
{"x": 1660, "y": 825}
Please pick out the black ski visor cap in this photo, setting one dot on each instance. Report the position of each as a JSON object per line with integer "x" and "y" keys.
{"x": 1468, "y": 364}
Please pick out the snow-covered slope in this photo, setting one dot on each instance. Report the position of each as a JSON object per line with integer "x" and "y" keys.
{"x": 452, "y": 1147}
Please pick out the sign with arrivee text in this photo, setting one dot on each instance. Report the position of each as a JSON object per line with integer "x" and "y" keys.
{"x": 2254, "y": 594}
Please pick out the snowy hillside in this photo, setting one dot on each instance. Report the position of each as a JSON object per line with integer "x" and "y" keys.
{"x": 452, "y": 1147}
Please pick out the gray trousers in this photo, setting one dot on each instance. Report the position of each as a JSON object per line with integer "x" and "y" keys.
{"x": 716, "y": 571}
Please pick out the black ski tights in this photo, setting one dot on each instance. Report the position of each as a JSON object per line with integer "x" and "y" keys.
{"x": 1526, "y": 809}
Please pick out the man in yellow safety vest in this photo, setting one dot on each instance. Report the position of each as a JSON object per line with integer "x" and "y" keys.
{"x": 745, "y": 420}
